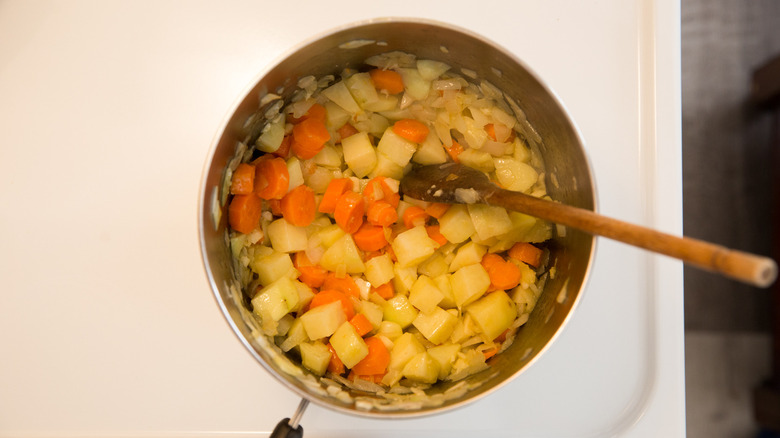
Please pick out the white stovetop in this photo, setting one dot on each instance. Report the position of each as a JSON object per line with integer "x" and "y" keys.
{"x": 107, "y": 112}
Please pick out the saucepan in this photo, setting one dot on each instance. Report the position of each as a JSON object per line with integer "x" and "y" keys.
{"x": 549, "y": 129}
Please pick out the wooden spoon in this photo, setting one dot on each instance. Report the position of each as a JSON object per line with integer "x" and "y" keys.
{"x": 457, "y": 184}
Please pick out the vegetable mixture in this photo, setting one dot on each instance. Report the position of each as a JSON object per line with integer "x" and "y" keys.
{"x": 358, "y": 280}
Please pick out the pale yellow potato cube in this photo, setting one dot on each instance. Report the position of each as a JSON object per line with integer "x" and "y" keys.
{"x": 469, "y": 283}
{"x": 456, "y": 224}
{"x": 362, "y": 89}
{"x": 468, "y": 254}
{"x": 359, "y": 153}
{"x": 348, "y": 345}
{"x": 391, "y": 330}
{"x": 295, "y": 335}
{"x": 437, "y": 325}
{"x": 431, "y": 151}
{"x": 339, "y": 94}
{"x": 493, "y": 313}
{"x": 276, "y": 300}
{"x": 434, "y": 265}
{"x": 335, "y": 116}
{"x": 403, "y": 278}
{"x": 398, "y": 149}
{"x": 386, "y": 167}
{"x": 272, "y": 265}
{"x": 399, "y": 310}
{"x": 405, "y": 347}
{"x": 477, "y": 160}
{"x": 413, "y": 246}
{"x": 379, "y": 270}
{"x": 424, "y": 294}
{"x": 489, "y": 221}
{"x": 343, "y": 254}
{"x": 417, "y": 86}
{"x": 322, "y": 321}
{"x": 286, "y": 237}
{"x": 422, "y": 368}
{"x": 515, "y": 175}
{"x": 315, "y": 356}
{"x": 430, "y": 70}
{"x": 373, "y": 312}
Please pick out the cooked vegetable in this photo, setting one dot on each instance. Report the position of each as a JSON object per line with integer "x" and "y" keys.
{"x": 351, "y": 278}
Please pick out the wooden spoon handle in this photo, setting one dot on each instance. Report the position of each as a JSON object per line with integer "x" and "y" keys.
{"x": 749, "y": 268}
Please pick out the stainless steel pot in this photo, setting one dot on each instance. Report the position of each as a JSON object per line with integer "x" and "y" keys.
{"x": 568, "y": 181}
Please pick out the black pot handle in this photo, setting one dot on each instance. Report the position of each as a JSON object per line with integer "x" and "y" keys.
{"x": 290, "y": 428}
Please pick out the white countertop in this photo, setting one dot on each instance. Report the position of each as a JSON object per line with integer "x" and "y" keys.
{"x": 107, "y": 323}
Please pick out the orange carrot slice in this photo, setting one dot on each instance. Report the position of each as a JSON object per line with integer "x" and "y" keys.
{"x": 244, "y": 213}
{"x": 243, "y": 182}
{"x": 349, "y": 212}
{"x": 387, "y": 80}
{"x": 299, "y": 206}
{"x": 411, "y": 129}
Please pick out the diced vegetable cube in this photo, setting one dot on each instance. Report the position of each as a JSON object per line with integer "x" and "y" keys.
{"x": 295, "y": 335}
{"x": 404, "y": 348}
{"x": 399, "y": 310}
{"x": 493, "y": 313}
{"x": 296, "y": 173}
{"x": 271, "y": 136}
{"x": 489, "y": 220}
{"x": 468, "y": 254}
{"x": 348, "y": 345}
{"x": 417, "y": 86}
{"x": 469, "y": 283}
{"x": 403, "y": 278}
{"x": 430, "y": 70}
{"x": 343, "y": 254}
{"x": 434, "y": 266}
{"x": 477, "y": 159}
{"x": 276, "y": 300}
{"x": 422, "y": 368}
{"x": 330, "y": 156}
{"x": 515, "y": 175}
{"x": 436, "y": 325}
{"x": 386, "y": 167}
{"x": 362, "y": 89}
{"x": 431, "y": 151}
{"x": 379, "y": 270}
{"x": 339, "y": 94}
{"x": 286, "y": 237}
{"x": 373, "y": 312}
{"x": 391, "y": 330}
{"x": 272, "y": 265}
{"x": 443, "y": 283}
{"x": 359, "y": 154}
{"x": 335, "y": 116}
{"x": 456, "y": 224}
{"x": 315, "y": 356}
{"x": 322, "y": 321}
{"x": 398, "y": 149}
{"x": 413, "y": 246}
{"x": 424, "y": 294}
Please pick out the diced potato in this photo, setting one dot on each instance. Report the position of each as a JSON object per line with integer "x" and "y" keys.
{"x": 468, "y": 254}
{"x": 524, "y": 297}
{"x": 295, "y": 335}
{"x": 318, "y": 178}
{"x": 322, "y": 321}
{"x": 413, "y": 246}
{"x": 431, "y": 151}
{"x": 286, "y": 237}
{"x": 276, "y": 300}
{"x": 475, "y": 137}
{"x": 272, "y": 265}
{"x": 404, "y": 348}
{"x": 339, "y": 94}
{"x": 391, "y": 330}
{"x": 425, "y": 295}
{"x": 515, "y": 175}
{"x": 330, "y": 156}
{"x": 272, "y": 135}
{"x": 335, "y": 116}
{"x": 386, "y": 167}
{"x": 477, "y": 159}
{"x": 362, "y": 89}
{"x": 434, "y": 266}
{"x": 399, "y": 310}
{"x": 403, "y": 278}
{"x": 445, "y": 355}
{"x": 489, "y": 220}
{"x": 422, "y": 368}
{"x": 469, "y": 283}
{"x": 379, "y": 270}
{"x": 296, "y": 173}
{"x": 330, "y": 234}
{"x": 359, "y": 154}
{"x": 305, "y": 295}
{"x": 343, "y": 254}
{"x": 456, "y": 224}
{"x": 373, "y": 313}
{"x": 284, "y": 324}
{"x": 398, "y": 149}
{"x": 417, "y": 86}
{"x": 493, "y": 313}
{"x": 437, "y": 325}
{"x": 443, "y": 283}
{"x": 348, "y": 345}
{"x": 315, "y": 356}
{"x": 430, "y": 70}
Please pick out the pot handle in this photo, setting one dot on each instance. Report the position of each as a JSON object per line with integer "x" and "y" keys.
{"x": 290, "y": 428}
